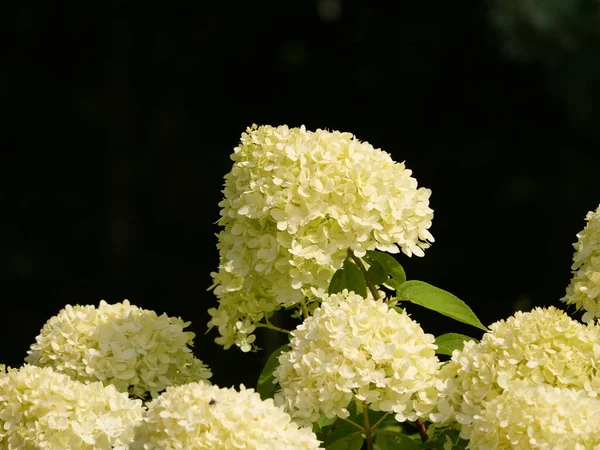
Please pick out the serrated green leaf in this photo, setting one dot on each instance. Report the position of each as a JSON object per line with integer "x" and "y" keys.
{"x": 449, "y": 342}
{"x": 352, "y": 442}
{"x": 265, "y": 386}
{"x": 390, "y": 265}
{"x": 439, "y": 300}
{"x": 395, "y": 441}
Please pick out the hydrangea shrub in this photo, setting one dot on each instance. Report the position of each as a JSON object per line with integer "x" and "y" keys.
{"x": 310, "y": 222}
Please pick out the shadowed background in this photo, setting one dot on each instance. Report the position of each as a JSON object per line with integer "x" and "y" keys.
{"x": 119, "y": 119}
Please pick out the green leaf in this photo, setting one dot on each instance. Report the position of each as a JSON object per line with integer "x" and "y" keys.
{"x": 265, "y": 386}
{"x": 449, "y": 342}
{"x": 348, "y": 277}
{"x": 352, "y": 442}
{"x": 320, "y": 426}
{"x": 436, "y": 299}
{"x": 355, "y": 279}
{"x": 336, "y": 283}
{"x": 342, "y": 428}
{"x": 440, "y": 436}
{"x": 395, "y": 441}
{"x": 390, "y": 265}
{"x": 377, "y": 273}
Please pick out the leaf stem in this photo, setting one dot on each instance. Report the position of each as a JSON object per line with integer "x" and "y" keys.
{"x": 351, "y": 422}
{"x": 304, "y": 308}
{"x": 422, "y": 430}
{"x": 379, "y": 421}
{"x": 368, "y": 431}
{"x": 363, "y": 269}
{"x": 272, "y": 327}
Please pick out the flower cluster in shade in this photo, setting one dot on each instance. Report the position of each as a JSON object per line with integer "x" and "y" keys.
{"x": 199, "y": 416}
{"x": 356, "y": 349}
{"x": 43, "y": 409}
{"x": 294, "y": 202}
{"x": 544, "y": 346}
{"x": 584, "y": 289}
{"x": 134, "y": 349}
{"x": 538, "y": 416}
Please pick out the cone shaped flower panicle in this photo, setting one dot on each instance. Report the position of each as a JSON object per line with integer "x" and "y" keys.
{"x": 43, "y": 409}
{"x": 356, "y": 349}
{"x": 199, "y": 416}
{"x": 134, "y": 349}
{"x": 294, "y": 202}
{"x": 538, "y": 416}
{"x": 541, "y": 347}
{"x": 584, "y": 289}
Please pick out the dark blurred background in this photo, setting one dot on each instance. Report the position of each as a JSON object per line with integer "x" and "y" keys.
{"x": 119, "y": 119}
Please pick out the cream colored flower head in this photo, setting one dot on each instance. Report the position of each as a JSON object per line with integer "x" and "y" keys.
{"x": 538, "y": 416}
{"x": 353, "y": 348}
{"x": 131, "y": 348}
{"x": 295, "y": 202}
{"x": 199, "y": 416}
{"x": 584, "y": 289}
{"x": 44, "y": 409}
{"x": 544, "y": 346}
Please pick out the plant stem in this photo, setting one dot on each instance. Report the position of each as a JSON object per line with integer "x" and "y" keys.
{"x": 351, "y": 422}
{"x": 379, "y": 421}
{"x": 304, "y": 308}
{"x": 422, "y": 430}
{"x": 272, "y": 327}
{"x": 363, "y": 269}
{"x": 368, "y": 433}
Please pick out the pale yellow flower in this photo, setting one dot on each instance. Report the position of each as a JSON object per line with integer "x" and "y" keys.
{"x": 131, "y": 348}
{"x": 538, "y": 416}
{"x": 44, "y": 409}
{"x": 584, "y": 289}
{"x": 353, "y": 348}
{"x": 294, "y": 202}
{"x": 198, "y": 416}
{"x": 543, "y": 346}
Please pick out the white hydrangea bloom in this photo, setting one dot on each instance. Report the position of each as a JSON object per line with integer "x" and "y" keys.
{"x": 538, "y": 416}
{"x": 584, "y": 289}
{"x": 121, "y": 344}
{"x": 199, "y": 416}
{"x": 44, "y": 409}
{"x": 353, "y": 348}
{"x": 295, "y": 202}
{"x": 544, "y": 345}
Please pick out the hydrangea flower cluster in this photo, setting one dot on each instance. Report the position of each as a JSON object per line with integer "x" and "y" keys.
{"x": 353, "y": 348}
{"x": 199, "y": 416}
{"x": 294, "y": 202}
{"x": 41, "y": 408}
{"x": 538, "y": 416}
{"x": 121, "y": 344}
{"x": 543, "y": 346}
{"x": 584, "y": 289}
